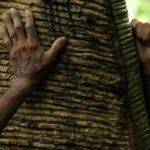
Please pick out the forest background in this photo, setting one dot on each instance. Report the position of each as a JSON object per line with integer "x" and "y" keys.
{"x": 139, "y": 9}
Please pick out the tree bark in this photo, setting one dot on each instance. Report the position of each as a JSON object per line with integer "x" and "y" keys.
{"x": 92, "y": 99}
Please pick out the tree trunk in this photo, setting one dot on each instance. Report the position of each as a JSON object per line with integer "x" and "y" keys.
{"x": 92, "y": 99}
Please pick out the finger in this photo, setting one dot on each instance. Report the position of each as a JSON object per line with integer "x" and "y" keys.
{"x": 30, "y": 28}
{"x": 139, "y": 30}
{"x": 18, "y": 26}
{"x": 146, "y": 32}
{"x": 56, "y": 47}
{"x": 5, "y": 37}
{"x": 141, "y": 50}
{"x": 134, "y": 23}
{"x": 10, "y": 27}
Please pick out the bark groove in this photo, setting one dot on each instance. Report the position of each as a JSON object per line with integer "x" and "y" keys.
{"x": 83, "y": 103}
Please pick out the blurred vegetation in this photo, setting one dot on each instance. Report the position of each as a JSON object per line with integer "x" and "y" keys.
{"x": 139, "y": 9}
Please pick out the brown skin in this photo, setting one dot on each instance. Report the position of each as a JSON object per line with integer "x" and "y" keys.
{"x": 28, "y": 60}
{"x": 142, "y": 31}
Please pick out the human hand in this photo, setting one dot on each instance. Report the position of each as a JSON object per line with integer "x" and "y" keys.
{"x": 142, "y": 31}
{"x": 28, "y": 59}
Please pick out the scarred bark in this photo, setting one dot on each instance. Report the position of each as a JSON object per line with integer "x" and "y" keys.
{"x": 93, "y": 100}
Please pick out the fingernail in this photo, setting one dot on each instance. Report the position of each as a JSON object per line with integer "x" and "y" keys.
{"x": 64, "y": 38}
{"x": 12, "y": 10}
{"x": 28, "y": 11}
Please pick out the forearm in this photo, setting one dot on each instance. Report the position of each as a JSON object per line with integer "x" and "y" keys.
{"x": 12, "y": 99}
{"x": 27, "y": 57}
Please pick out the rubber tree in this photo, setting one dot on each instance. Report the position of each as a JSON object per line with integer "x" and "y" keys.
{"x": 92, "y": 98}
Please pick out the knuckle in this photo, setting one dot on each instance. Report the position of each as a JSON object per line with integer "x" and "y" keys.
{"x": 146, "y": 31}
{"x": 20, "y": 46}
{"x": 18, "y": 28}
{"x": 145, "y": 38}
{"x": 146, "y": 26}
{"x": 33, "y": 45}
{"x": 29, "y": 26}
{"x": 13, "y": 55}
{"x": 29, "y": 14}
{"x": 13, "y": 12}
{"x": 12, "y": 35}
{"x": 6, "y": 42}
{"x": 30, "y": 29}
{"x": 139, "y": 24}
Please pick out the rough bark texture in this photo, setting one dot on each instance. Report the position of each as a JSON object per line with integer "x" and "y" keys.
{"x": 83, "y": 104}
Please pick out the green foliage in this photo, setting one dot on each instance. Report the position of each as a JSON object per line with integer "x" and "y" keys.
{"x": 144, "y": 10}
{"x": 139, "y": 9}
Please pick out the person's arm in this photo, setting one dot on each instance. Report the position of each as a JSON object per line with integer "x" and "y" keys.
{"x": 142, "y": 31}
{"x": 28, "y": 59}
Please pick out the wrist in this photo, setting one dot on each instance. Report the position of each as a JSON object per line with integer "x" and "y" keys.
{"x": 19, "y": 90}
{"x": 23, "y": 84}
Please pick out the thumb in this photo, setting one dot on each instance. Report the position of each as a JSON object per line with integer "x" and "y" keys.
{"x": 55, "y": 49}
{"x": 134, "y": 23}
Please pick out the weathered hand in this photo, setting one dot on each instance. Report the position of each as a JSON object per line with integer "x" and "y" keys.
{"x": 143, "y": 43}
{"x": 28, "y": 59}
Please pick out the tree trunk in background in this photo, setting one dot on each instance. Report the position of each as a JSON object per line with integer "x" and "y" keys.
{"x": 83, "y": 104}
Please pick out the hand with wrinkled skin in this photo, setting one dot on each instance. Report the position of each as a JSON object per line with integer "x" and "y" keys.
{"x": 28, "y": 60}
{"x": 27, "y": 57}
{"x": 143, "y": 43}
